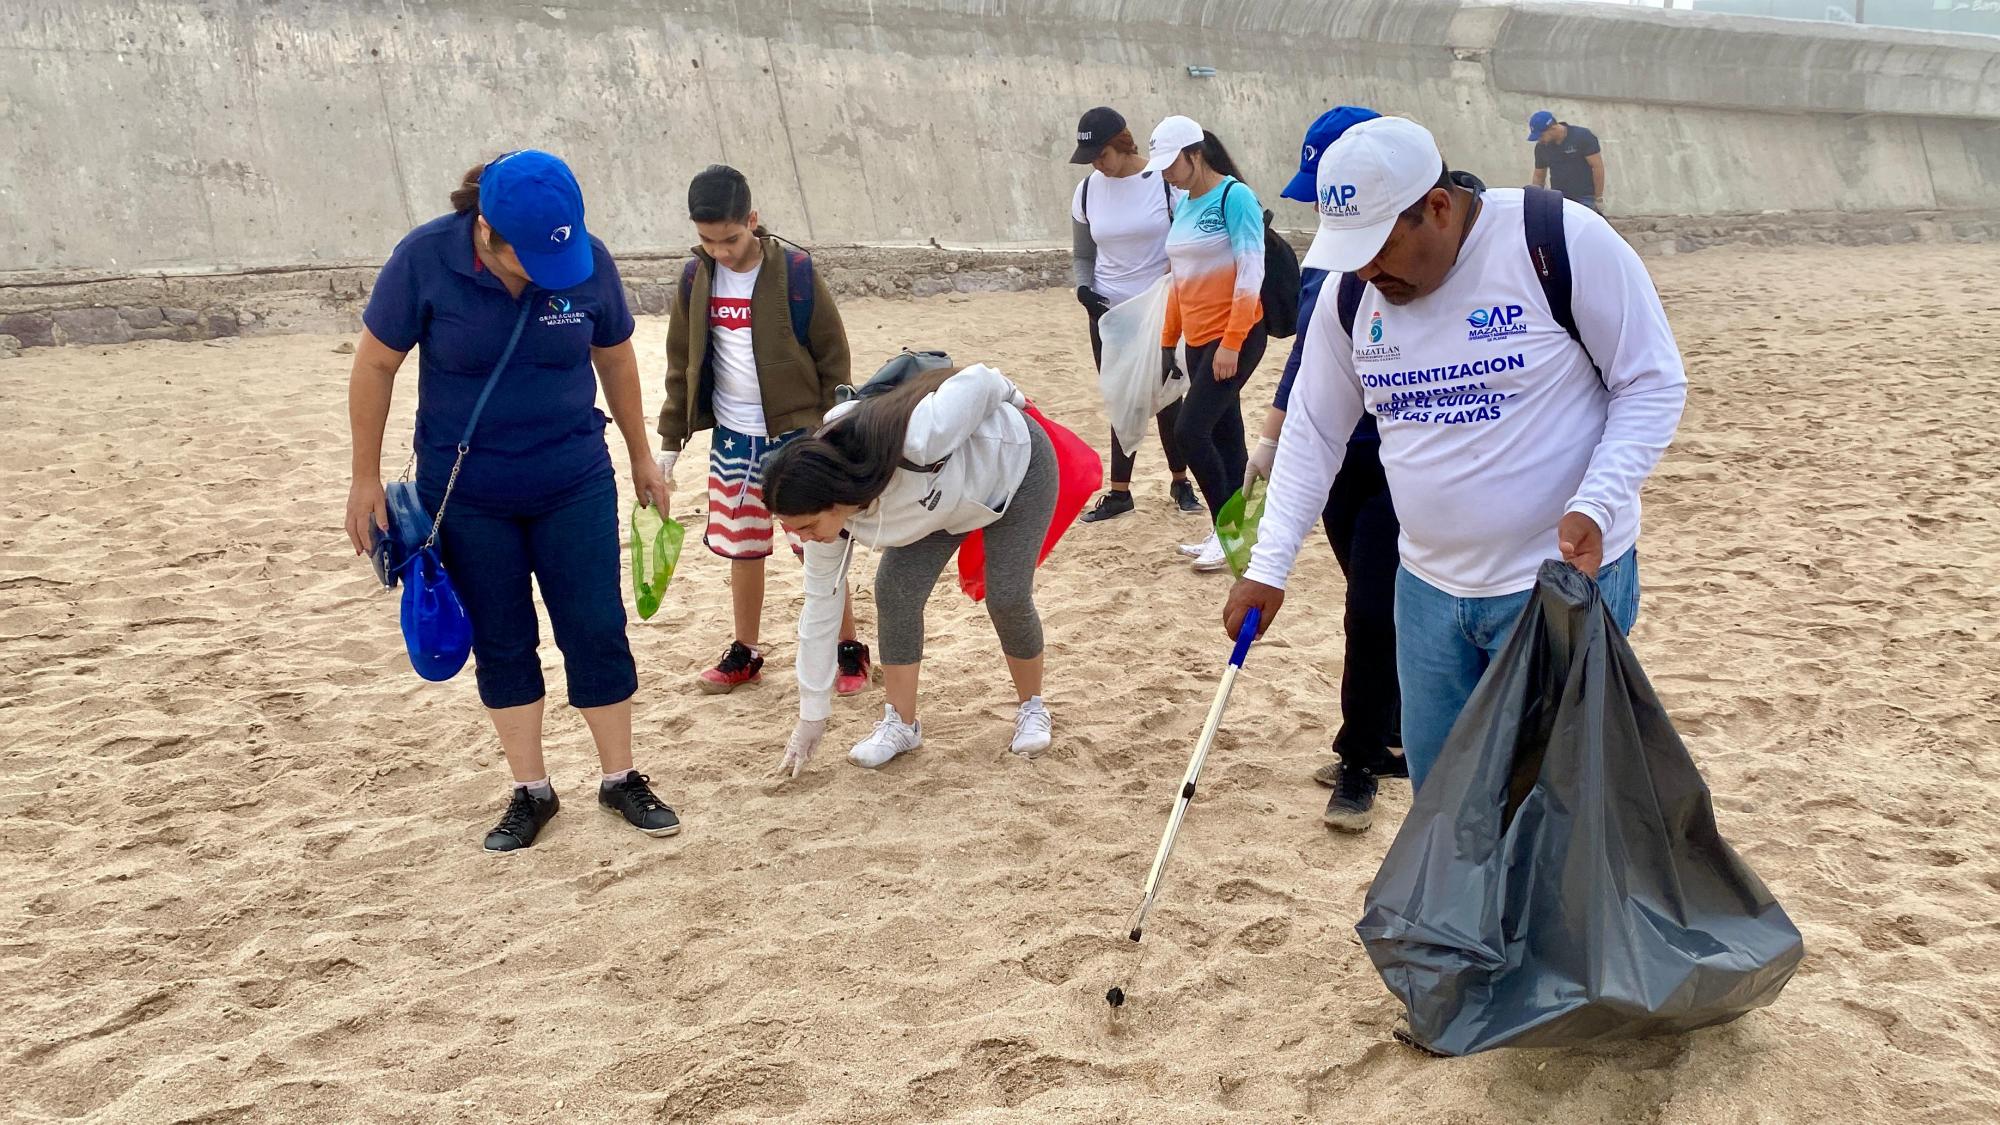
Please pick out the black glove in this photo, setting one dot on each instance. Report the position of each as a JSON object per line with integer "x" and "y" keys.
{"x": 1170, "y": 364}
{"x": 1093, "y": 300}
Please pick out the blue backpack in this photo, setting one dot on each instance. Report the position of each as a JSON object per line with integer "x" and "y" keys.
{"x": 1548, "y": 249}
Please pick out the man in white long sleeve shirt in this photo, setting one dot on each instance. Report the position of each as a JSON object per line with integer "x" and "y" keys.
{"x": 1505, "y": 439}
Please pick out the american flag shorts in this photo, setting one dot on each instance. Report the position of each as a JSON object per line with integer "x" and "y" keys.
{"x": 739, "y": 525}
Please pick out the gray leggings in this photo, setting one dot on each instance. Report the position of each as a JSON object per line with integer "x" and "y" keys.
{"x": 906, "y": 575}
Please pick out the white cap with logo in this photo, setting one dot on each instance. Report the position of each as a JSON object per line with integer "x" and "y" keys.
{"x": 1169, "y": 138}
{"x": 1367, "y": 178}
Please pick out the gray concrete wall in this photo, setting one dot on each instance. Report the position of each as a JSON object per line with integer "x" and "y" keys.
{"x": 140, "y": 135}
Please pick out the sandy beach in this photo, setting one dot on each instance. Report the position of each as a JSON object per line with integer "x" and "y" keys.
{"x": 241, "y": 878}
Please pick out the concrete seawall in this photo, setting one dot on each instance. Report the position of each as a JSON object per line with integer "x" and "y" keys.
{"x": 216, "y": 150}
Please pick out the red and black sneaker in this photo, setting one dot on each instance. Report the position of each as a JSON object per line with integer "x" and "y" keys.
{"x": 854, "y": 665}
{"x": 739, "y": 666}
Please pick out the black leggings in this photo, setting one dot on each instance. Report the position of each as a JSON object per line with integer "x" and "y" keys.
{"x": 1121, "y": 461}
{"x": 1210, "y": 428}
{"x": 1361, "y": 524}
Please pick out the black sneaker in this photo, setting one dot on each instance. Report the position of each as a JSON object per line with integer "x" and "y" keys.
{"x": 852, "y": 657}
{"x": 740, "y": 665}
{"x": 1111, "y": 505}
{"x": 524, "y": 819}
{"x": 1393, "y": 765}
{"x": 1352, "y": 806}
{"x": 1184, "y": 497}
{"x": 633, "y": 799}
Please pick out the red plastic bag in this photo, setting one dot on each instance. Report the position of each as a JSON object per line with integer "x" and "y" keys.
{"x": 1080, "y": 473}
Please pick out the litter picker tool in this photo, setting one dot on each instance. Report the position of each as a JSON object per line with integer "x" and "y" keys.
{"x": 1246, "y": 634}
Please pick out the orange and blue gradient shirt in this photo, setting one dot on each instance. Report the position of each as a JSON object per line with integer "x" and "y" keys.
{"x": 1216, "y": 254}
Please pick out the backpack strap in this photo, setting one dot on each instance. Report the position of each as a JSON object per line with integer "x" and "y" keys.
{"x": 687, "y": 278}
{"x": 1347, "y": 301}
{"x": 1084, "y": 203}
{"x": 799, "y": 288}
{"x": 1548, "y": 252}
{"x": 1169, "y": 190}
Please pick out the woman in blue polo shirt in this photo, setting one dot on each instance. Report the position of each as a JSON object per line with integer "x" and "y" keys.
{"x": 535, "y": 495}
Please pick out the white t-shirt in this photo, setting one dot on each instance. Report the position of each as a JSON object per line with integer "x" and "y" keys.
{"x": 739, "y": 401}
{"x": 1128, "y": 222}
{"x": 1493, "y": 422}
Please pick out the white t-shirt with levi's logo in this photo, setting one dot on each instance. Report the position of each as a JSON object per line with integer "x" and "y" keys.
{"x": 739, "y": 401}
{"x": 1494, "y": 422}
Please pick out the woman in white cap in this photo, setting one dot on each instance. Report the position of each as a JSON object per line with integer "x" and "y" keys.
{"x": 1119, "y": 217}
{"x": 1216, "y": 252}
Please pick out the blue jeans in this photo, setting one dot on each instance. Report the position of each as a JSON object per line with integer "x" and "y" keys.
{"x": 568, "y": 545}
{"x": 1444, "y": 643}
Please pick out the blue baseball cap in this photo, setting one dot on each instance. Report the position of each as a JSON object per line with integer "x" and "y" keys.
{"x": 531, "y": 198}
{"x": 1539, "y": 123}
{"x": 1325, "y": 129}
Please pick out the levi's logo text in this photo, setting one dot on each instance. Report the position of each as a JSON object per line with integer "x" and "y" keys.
{"x": 560, "y": 311}
{"x": 1337, "y": 200}
{"x": 729, "y": 312}
{"x": 1496, "y": 323}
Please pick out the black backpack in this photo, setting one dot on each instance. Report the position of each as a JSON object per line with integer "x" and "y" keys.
{"x": 1548, "y": 249}
{"x": 902, "y": 367}
{"x": 1281, "y": 277}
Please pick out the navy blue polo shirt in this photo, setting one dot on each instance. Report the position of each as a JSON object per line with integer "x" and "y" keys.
{"x": 541, "y": 433}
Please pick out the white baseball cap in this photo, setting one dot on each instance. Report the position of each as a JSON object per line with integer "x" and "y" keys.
{"x": 1369, "y": 176}
{"x": 1169, "y": 138}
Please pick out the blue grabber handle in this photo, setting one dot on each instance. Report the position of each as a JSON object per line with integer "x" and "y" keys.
{"x": 1245, "y": 635}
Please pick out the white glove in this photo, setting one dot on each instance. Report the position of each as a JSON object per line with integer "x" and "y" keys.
{"x": 666, "y": 463}
{"x": 1261, "y": 459}
{"x": 805, "y": 739}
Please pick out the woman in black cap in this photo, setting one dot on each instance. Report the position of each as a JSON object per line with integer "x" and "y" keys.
{"x": 1119, "y": 217}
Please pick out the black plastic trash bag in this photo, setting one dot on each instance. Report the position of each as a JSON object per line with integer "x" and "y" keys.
{"x": 1559, "y": 879}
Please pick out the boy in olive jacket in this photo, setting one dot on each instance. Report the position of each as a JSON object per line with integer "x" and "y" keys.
{"x": 755, "y": 350}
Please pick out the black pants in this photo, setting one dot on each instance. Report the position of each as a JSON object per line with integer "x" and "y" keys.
{"x": 1210, "y": 428}
{"x": 1121, "y": 461}
{"x": 1361, "y": 524}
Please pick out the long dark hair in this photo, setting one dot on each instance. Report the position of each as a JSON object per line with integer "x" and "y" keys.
{"x": 721, "y": 194}
{"x": 851, "y": 459}
{"x": 1217, "y": 157}
{"x": 465, "y": 197}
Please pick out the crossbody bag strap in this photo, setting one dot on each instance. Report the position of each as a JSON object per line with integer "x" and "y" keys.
{"x": 472, "y": 423}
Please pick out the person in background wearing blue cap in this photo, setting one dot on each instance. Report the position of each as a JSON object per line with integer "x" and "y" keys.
{"x": 1119, "y": 217}
{"x": 535, "y": 498}
{"x": 1568, "y": 158}
{"x": 1360, "y": 522}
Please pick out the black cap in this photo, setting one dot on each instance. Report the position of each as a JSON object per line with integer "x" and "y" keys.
{"x": 1094, "y": 132}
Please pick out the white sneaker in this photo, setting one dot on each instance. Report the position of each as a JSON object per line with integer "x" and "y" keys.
{"x": 1211, "y": 557}
{"x": 1034, "y": 728}
{"x": 1194, "y": 550}
{"x": 892, "y": 736}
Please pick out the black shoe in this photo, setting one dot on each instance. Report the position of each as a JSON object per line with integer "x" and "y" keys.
{"x": 633, "y": 799}
{"x": 1392, "y": 765}
{"x": 1352, "y": 806}
{"x": 852, "y": 658}
{"x": 524, "y": 820}
{"x": 1184, "y": 497}
{"x": 1111, "y": 505}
